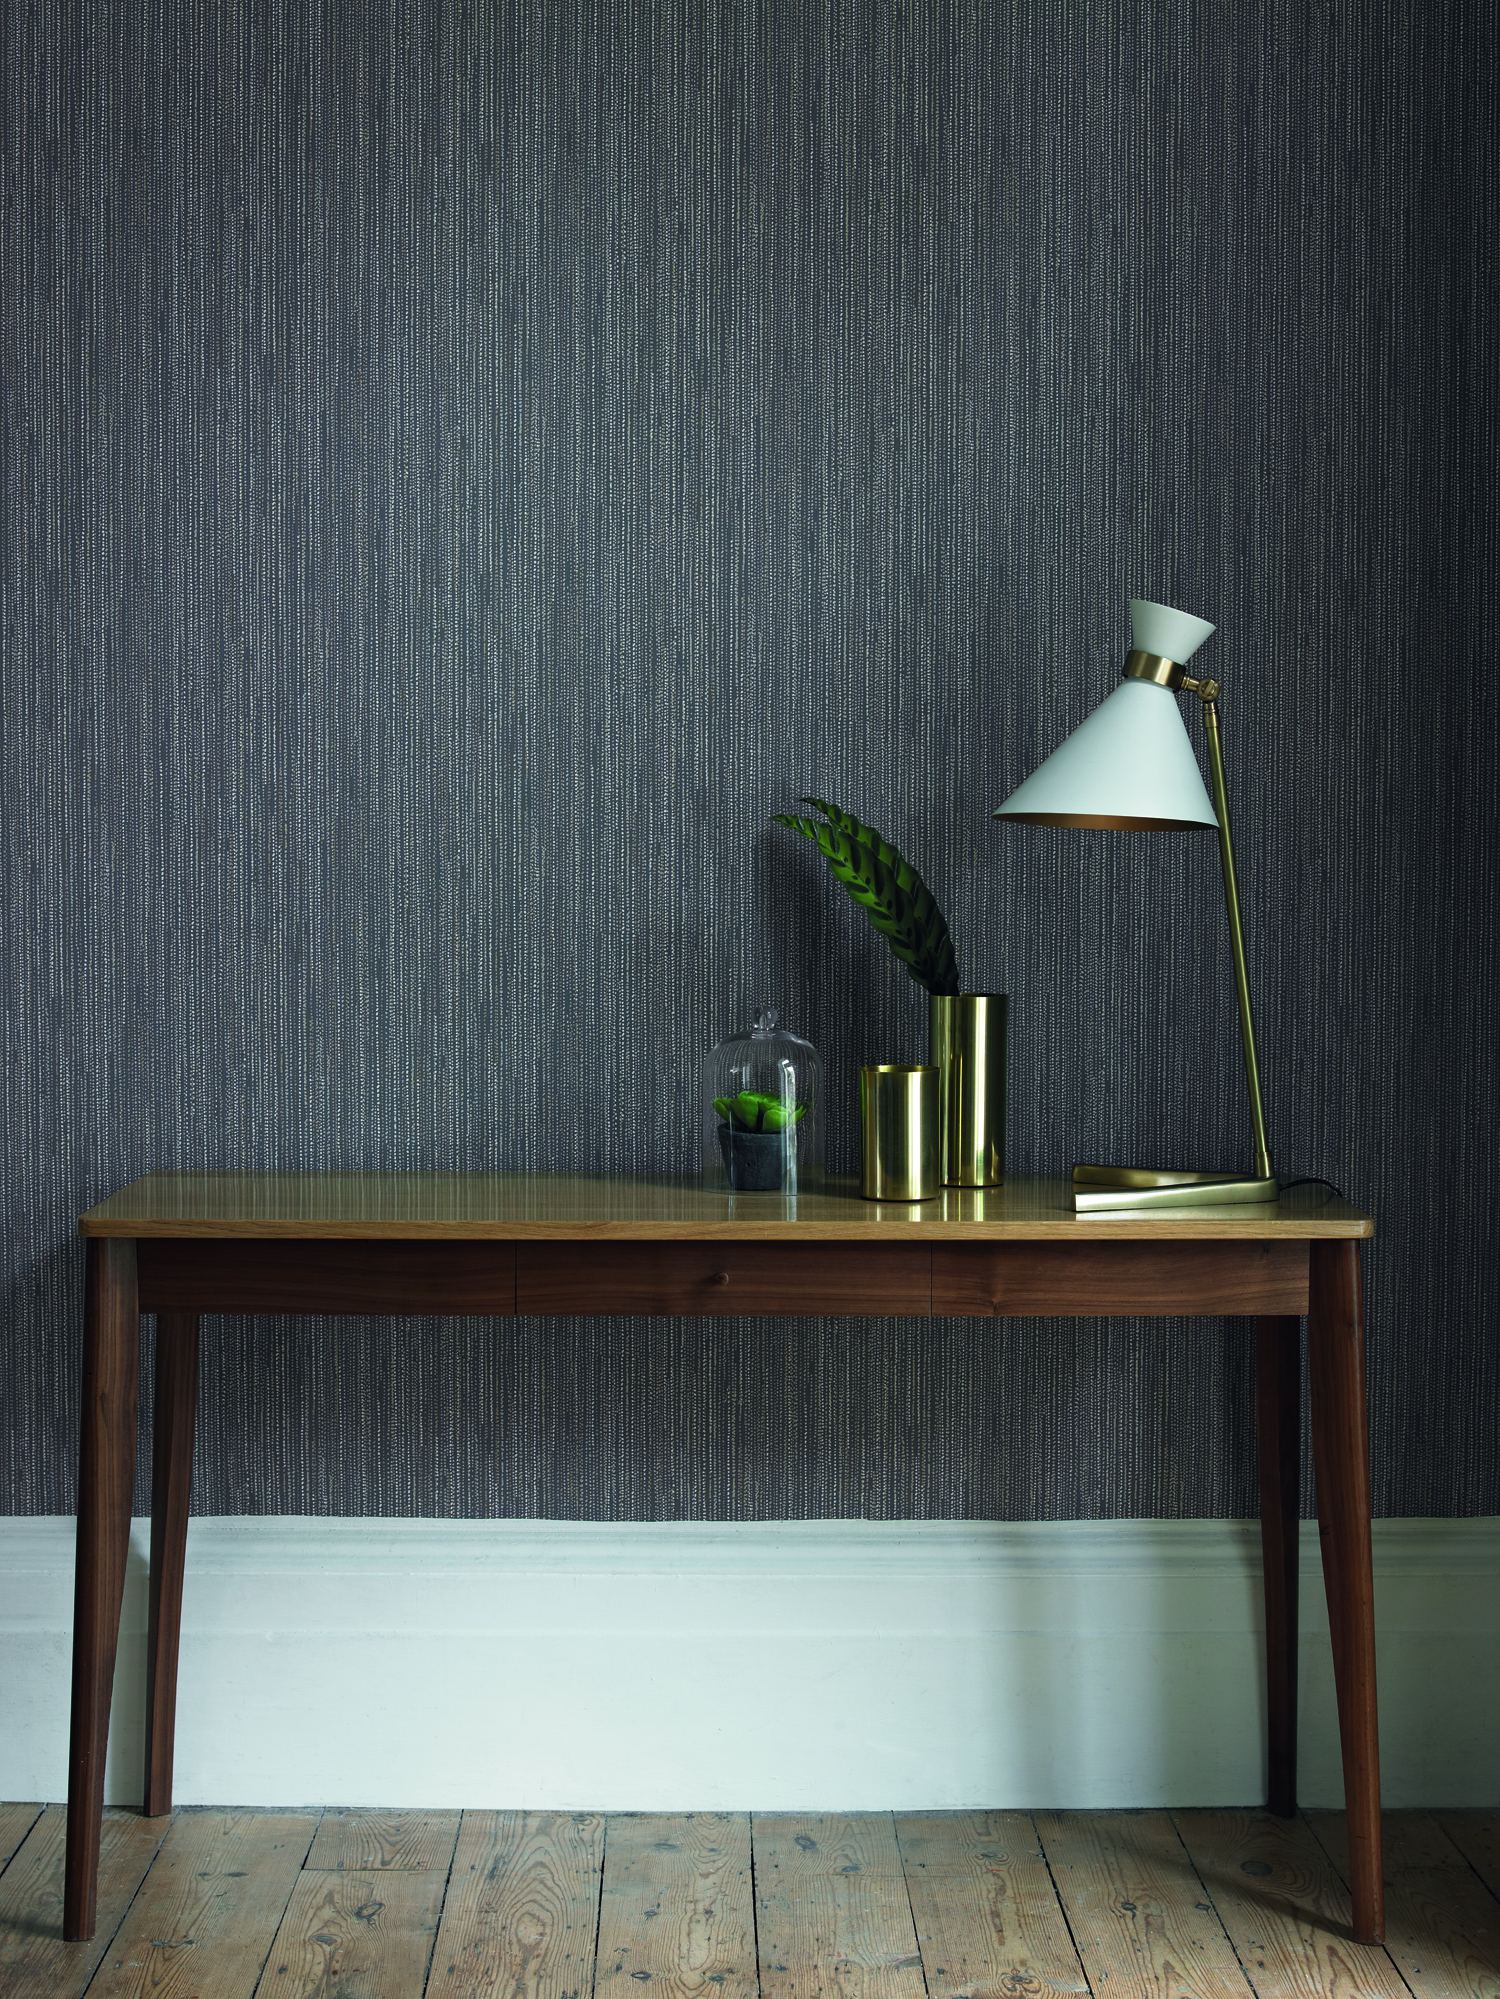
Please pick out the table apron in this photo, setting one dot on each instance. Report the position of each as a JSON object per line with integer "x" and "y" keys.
{"x": 723, "y": 1279}
{"x": 266, "y": 1274}
{"x": 1021, "y": 1280}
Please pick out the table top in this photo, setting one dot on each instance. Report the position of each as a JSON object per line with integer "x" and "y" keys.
{"x": 513, "y": 1207}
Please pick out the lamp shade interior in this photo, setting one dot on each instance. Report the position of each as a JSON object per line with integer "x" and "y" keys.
{"x": 1129, "y": 765}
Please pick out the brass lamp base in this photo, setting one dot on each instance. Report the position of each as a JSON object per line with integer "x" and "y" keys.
{"x": 1102, "y": 1189}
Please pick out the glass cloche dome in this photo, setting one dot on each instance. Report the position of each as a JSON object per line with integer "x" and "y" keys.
{"x": 762, "y": 1095}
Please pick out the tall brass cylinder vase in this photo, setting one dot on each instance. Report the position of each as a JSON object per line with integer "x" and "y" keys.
{"x": 967, "y": 1046}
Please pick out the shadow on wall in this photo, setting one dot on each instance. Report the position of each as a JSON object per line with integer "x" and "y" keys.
{"x": 833, "y": 979}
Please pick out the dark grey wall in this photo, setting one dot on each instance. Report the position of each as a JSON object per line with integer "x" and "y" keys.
{"x": 466, "y": 466}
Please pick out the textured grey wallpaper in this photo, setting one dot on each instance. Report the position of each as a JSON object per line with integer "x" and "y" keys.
{"x": 466, "y": 466}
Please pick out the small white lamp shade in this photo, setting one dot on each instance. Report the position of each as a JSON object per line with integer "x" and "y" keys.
{"x": 1165, "y": 633}
{"x": 1130, "y": 764}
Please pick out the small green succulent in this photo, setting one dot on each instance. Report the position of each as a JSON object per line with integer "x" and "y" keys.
{"x": 757, "y": 1110}
{"x": 887, "y": 888}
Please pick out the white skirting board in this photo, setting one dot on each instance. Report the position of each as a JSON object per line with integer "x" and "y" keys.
{"x": 854, "y": 1665}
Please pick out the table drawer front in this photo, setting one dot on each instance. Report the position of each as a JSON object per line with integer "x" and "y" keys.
{"x": 195, "y": 1274}
{"x": 1031, "y": 1280}
{"x": 722, "y": 1279}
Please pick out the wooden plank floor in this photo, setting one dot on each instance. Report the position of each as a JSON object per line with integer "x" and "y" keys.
{"x": 575, "y": 1905}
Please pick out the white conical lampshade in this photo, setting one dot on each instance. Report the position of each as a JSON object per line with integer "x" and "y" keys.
{"x": 1168, "y": 634}
{"x": 1130, "y": 765}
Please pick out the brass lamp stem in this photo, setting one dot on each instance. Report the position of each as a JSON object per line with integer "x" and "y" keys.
{"x": 1100, "y": 1189}
{"x": 1208, "y": 690}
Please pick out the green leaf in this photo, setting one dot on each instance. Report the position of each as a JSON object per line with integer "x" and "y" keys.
{"x": 889, "y": 890}
{"x": 907, "y": 877}
{"x": 759, "y": 1111}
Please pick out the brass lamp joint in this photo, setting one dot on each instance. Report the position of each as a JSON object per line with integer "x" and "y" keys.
{"x": 1152, "y": 666}
{"x": 1170, "y": 674}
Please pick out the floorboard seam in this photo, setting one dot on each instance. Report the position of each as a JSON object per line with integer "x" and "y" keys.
{"x": 276, "y": 1927}
{"x": 916, "y": 1935}
{"x": 599, "y": 1903}
{"x": 1057, "y": 1894}
{"x": 443, "y": 1903}
{"x": 1437, "y": 1820}
{"x": 1212, "y": 1905}
{"x": 23, "y": 1839}
{"x": 754, "y": 1906}
{"x": 1339, "y": 1875}
{"x": 155, "y": 1856}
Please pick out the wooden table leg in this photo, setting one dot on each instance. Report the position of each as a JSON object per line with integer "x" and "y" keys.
{"x": 1341, "y": 1457}
{"x": 106, "y": 1475}
{"x": 1278, "y": 1423}
{"x": 175, "y": 1408}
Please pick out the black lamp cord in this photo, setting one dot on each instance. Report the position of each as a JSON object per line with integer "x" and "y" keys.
{"x": 1314, "y": 1180}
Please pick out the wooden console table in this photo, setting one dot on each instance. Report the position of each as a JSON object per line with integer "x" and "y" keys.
{"x": 181, "y": 1244}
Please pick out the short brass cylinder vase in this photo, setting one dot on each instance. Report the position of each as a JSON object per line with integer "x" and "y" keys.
{"x": 898, "y": 1115}
{"x": 967, "y": 1048}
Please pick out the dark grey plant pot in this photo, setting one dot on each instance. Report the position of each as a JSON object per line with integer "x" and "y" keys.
{"x": 756, "y": 1161}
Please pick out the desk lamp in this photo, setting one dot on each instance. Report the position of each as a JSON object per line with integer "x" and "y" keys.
{"x": 1131, "y": 766}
